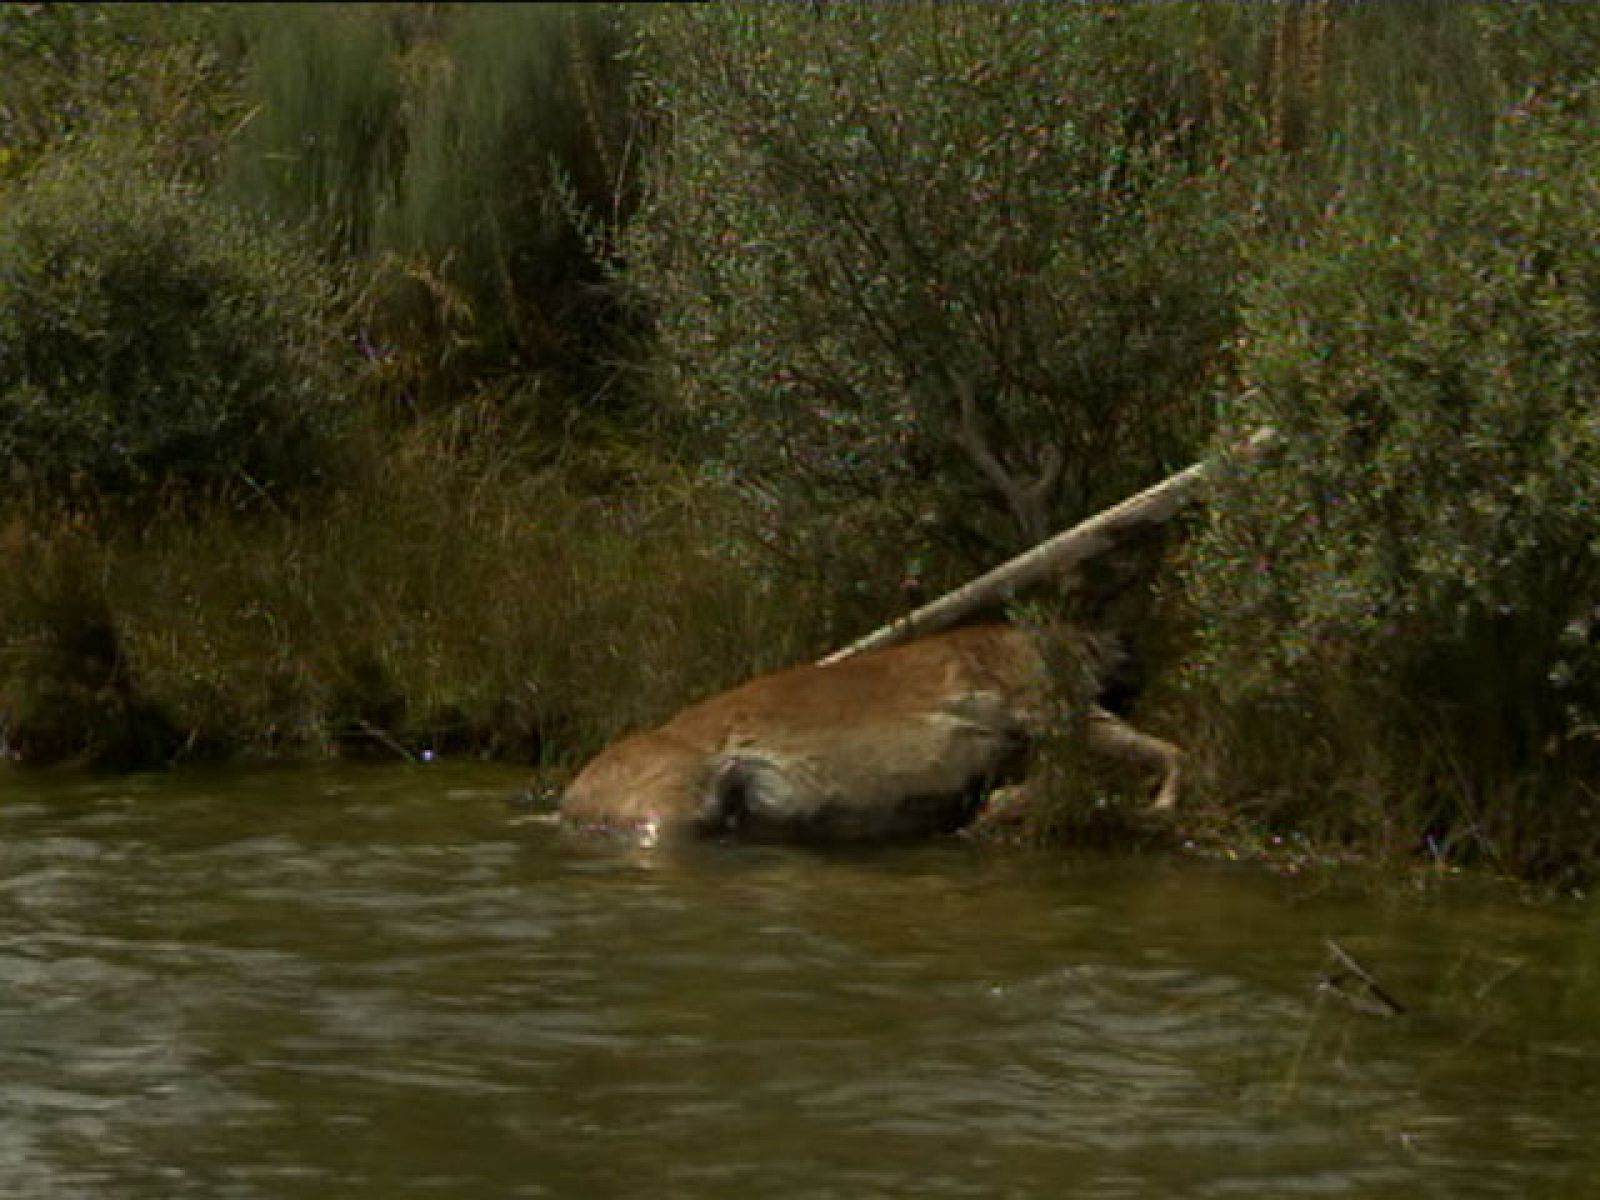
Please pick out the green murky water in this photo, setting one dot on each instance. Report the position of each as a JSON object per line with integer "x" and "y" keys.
{"x": 360, "y": 983}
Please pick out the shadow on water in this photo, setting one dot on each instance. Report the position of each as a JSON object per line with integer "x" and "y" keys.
{"x": 365, "y": 983}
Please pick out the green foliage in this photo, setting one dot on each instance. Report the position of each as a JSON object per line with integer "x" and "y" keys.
{"x": 517, "y": 113}
{"x": 321, "y": 141}
{"x": 935, "y": 269}
{"x": 50, "y": 54}
{"x": 1409, "y": 579}
{"x": 444, "y": 600}
{"x": 451, "y": 150}
{"x": 71, "y": 72}
{"x": 156, "y": 344}
{"x": 908, "y": 284}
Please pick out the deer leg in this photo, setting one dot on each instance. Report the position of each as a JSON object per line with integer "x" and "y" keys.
{"x": 1005, "y": 807}
{"x": 1112, "y": 736}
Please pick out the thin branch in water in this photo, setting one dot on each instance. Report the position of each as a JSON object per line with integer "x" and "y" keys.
{"x": 386, "y": 740}
{"x": 1355, "y": 985}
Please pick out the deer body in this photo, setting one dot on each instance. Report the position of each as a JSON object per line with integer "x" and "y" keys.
{"x": 897, "y": 742}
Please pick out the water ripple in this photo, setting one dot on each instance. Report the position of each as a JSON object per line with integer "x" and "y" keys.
{"x": 371, "y": 984}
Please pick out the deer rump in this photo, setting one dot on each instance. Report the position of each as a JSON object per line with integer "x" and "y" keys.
{"x": 900, "y": 742}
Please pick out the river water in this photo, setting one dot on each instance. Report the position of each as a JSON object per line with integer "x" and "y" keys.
{"x": 387, "y": 983}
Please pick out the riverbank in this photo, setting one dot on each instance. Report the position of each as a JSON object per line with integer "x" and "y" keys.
{"x": 382, "y": 381}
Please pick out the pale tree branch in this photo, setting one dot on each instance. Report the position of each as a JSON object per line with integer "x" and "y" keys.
{"x": 1059, "y": 555}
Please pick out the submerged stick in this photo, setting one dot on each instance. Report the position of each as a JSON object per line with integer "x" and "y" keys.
{"x": 1371, "y": 999}
{"x": 1055, "y": 555}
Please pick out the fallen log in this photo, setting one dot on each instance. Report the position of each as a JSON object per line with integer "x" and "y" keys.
{"x": 1054, "y": 556}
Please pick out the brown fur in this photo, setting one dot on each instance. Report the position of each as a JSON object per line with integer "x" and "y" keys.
{"x": 901, "y": 741}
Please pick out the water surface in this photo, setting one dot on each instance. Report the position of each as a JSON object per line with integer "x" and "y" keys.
{"x": 377, "y": 983}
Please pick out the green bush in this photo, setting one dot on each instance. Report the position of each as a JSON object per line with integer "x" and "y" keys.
{"x": 166, "y": 72}
{"x": 1399, "y": 605}
{"x": 928, "y": 276}
{"x": 154, "y": 344}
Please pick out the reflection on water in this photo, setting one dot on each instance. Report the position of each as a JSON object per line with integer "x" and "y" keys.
{"x": 364, "y": 983}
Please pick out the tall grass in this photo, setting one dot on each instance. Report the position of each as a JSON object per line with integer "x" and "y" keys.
{"x": 448, "y": 601}
{"x": 321, "y": 140}
{"x": 447, "y": 152}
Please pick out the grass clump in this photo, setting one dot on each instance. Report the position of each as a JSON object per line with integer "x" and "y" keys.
{"x": 446, "y": 601}
{"x": 67, "y": 688}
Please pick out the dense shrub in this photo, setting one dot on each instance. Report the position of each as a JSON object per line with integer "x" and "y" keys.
{"x": 74, "y": 71}
{"x": 928, "y": 274}
{"x": 1400, "y": 603}
{"x": 156, "y": 344}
